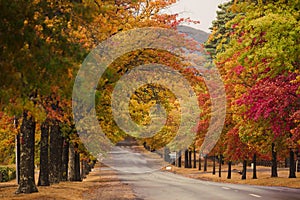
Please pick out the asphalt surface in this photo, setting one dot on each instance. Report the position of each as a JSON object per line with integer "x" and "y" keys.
{"x": 142, "y": 172}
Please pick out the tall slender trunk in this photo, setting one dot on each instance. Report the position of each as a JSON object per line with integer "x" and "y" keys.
{"x": 71, "y": 164}
{"x": 298, "y": 161}
{"x": 56, "y": 142}
{"x": 214, "y": 165}
{"x": 274, "y": 162}
{"x": 199, "y": 166}
{"x": 229, "y": 170}
{"x": 27, "y": 135}
{"x": 292, "y": 173}
{"x": 186, "y": 159}
{"x": 65, "y": 160}
{"x": 220, "y": 165}
{"x": 74, "y": 163}
{"x": 195, "y": 159}
{"x": 18, "y": 157}
{"x": 244, "y": 172}
{"x": 44, "y": 153}
{"x": 254, "y": 167}
{"x": 77, "y": 164}
{"x": 205, "y": 163}
{"x": 179, "y": 159}
{"x": 190, "y": 159}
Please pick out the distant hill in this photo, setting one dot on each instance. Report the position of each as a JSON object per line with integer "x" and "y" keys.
{"x": 198, "y": 35}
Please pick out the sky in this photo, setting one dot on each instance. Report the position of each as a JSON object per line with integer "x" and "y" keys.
{"x": 200, "y": 10}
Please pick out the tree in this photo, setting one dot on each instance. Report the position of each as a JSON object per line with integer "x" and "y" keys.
{"x": 27, "y": 181}
{"x": 254, "y": 53}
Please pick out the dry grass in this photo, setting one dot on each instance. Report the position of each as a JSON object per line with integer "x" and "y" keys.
{"x": 100, "y": 184}
{"x": 263, "y": 175}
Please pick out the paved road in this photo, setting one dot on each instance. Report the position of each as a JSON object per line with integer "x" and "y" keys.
{"x": 152, "y": 184}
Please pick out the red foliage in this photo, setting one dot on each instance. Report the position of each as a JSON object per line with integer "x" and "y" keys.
{"x": 275, "y": 100}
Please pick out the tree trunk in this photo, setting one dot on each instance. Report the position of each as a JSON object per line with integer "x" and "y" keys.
{"x": 205, "y": 163}
{"x": 214, "y": 165}
{"x": 244, "y": 172}
{"x": 65, "y": 160}
{"x": 71, "y": 164}
{"x": 77, "y": 164}
{"x": 199, "y": 166}
{"x": 85, "y": 168}
{"x": 190, "y": 159}
{"x": 298, "y": 161}
{"x": 44, "y": 153}
{"x": 18, "y": 157}
{"x": 195, "y": 159}
{"x": 254, "y": 167}
{"x": 56, "y": 143}
{"x": 220, "y": 165}
{"x": 229, "y": 170}
{"x": 186, "y": 159}
{"x": 27, "y": 135}
{"x": 292, "y": 165}
{"x": 179, "y": 159}
{"x": 274, "y": 162}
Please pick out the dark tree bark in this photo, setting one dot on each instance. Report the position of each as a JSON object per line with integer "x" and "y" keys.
{"x": 229, "y": 170}
{"x": 18, "y": 146}
{"x": 195, "y": 159}
{"x": 179, "y": 159}
{"x": 298, "y": 159}
{"x": 205, "y": 163}
{"x": 44, "y": 153}
{"x": 85, "y": 168}
{"x": 65, "y": 160}
{"x": 244, "y": 172}
{"x": 274, "y": 162}
{"x": 74, "y": 163}
{"x": 254, "y": 167}
{"x": 71, "y": 164}
{"x": 186, "y": 159}
{"x": 190, "y": 159}
{"x": 220, "y": 165}
{"x": 292, "y": 173}
{"x": 199, "y": 166}
{"x": 214, "y": 165}
{"x": 77, "y": 164}
{"x": 56, "y": 143}
{"x": 27, "y": 135}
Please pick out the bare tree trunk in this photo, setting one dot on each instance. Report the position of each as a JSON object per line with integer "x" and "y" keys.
{"x": 298, "y": 161}
{"x": 274, "y": 162}
{"x": 205, "y": 163}
{"x": 77, "y": 164}
{"x": 214, "y": 165}
{"x": 292, "y": 173}
{"x": 56, "y": 142}
{"x": 220, "y": 165}
{"x": 229, "y": 170}
{"x": 186, "y": 159}
{"x": 199, "y": 166}
{"x": 244, "y": 172}
{"x": 195, "y": 159}
{"x": 74, "y": 163}
{"x": 44, "y": 153}
{"x": 27, "y": 135}
{"x": 190, "y": 159}
{"x": 179, "y": 159}
{"x": 65, "y": 160}
{"x": 71, "y": 164}
{"x": 254, "y": 167}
